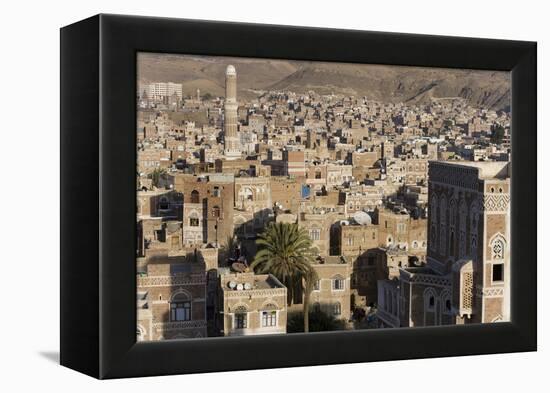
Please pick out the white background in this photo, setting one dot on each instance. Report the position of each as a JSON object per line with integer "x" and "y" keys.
{"x": 29, "y": 223}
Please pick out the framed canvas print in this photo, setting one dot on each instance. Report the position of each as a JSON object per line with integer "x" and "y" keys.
{"x": 241, "y": 196}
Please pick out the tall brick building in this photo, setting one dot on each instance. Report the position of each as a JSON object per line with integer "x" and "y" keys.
{"x": 467, "y": 276}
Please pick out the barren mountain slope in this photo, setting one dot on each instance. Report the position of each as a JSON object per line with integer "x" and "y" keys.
{"x": 486, "y": 89}
{"x": 401, "y": 84}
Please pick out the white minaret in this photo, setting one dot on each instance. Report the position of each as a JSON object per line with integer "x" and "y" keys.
{"x": 232, "y": 147}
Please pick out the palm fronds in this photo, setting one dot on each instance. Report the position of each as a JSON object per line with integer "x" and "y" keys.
{"x": 285, "y": 250}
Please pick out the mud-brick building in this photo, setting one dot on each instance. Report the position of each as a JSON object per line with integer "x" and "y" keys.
{"x": 207, "y": 207}
{"x": 467, "y": 275}
{"x": 171, "y": 299}
{"x": 252, "y": 304}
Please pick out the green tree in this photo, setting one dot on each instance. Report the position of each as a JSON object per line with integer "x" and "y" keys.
{"x": 309, "y": 281}
{"x": 319, "y": 321}
{"x": 156, "y": 175}
{"x": 497, "y": 134}
{"x": 285, "y": 250}
{"x": 230, "y": 246}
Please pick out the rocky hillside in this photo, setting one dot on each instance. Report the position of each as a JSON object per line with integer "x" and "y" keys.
{"x": 383, "y": 83}
{"x": 402, "y": 84}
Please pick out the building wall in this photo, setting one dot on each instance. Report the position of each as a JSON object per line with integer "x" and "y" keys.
{"x": 356, "y": 239}
{"x": 287, "y": 192}
{"x": 162, "y": 283}
{"x": 214, "y": 207}
{"x": 469, "y": 215}
{"x": 270, "y": 298}
{"x": 318, "y": 226}
{"x": 326, "y": 297}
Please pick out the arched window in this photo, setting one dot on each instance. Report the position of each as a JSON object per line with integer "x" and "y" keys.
{"x": 433, "y": 219}
{"x": 462, "y": 217}
{"x": 452, "y": 213}
{"x": 442, "y": 237}
{"x": 429, "y": 299}
{"x": 432, "y": 208}
{"x": 337, "y": 309}
{"x": 452, "y": 243}
{"x": 443, "y": 210}
{"x": 445, "y": 299}
{"x": 474, "y": 221}
{"x": 180, "y": 307}
{"x": 433, "y": 237}
{"x": 194, "y": 219}
{"x": 443, "y": 225}
{"x": 241, "y": 317}
{"x": 163, "y": 203}
{"x": 497, "y": 248}
{"x": 140, "y": 333}
{"x": 216, "y": 212}
{"x": 194, "y": 196}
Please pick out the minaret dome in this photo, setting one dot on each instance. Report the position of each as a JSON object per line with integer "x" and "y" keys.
{"x": 230, "y": 70}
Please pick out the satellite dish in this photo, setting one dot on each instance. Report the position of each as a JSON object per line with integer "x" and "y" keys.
{"x": 240, "y": 287}
{"x": 247, "y": 286}
{"x": 362, "y": 218}
{"x": 232, "y": 284}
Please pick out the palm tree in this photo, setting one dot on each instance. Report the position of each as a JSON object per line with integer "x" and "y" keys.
{"x": 230, "y": 246}
{"x": 310, "y": 279}
{"x": 156, "y": 175}
{"x": 319, "y": 321}
{"x": 285, "y": 250}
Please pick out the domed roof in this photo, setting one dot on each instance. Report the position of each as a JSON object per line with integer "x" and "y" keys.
{"x": 362, "y": 218}
{"x": 230, "y": 70}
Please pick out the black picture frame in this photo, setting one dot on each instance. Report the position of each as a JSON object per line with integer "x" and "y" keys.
{"x": 98, "y": 197}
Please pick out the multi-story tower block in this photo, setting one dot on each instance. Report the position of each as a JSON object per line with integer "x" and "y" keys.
{"x": 467, "y": 275}
{"x": 469, "y": 232}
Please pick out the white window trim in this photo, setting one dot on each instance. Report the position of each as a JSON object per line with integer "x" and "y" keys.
{"x": 498, "y": 262}
{"x": 261, "y": 319}
{"x": 247, "y": 321}
{"x": 343, "y": 285}
{"x": 318, "y": 289}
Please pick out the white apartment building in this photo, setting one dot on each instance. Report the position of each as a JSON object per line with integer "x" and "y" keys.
{"x": 159, "y": 90}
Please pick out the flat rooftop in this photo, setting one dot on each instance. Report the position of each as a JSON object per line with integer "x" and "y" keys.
{"x": 249, "y": 281}
{"x": 486, "y": 169}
